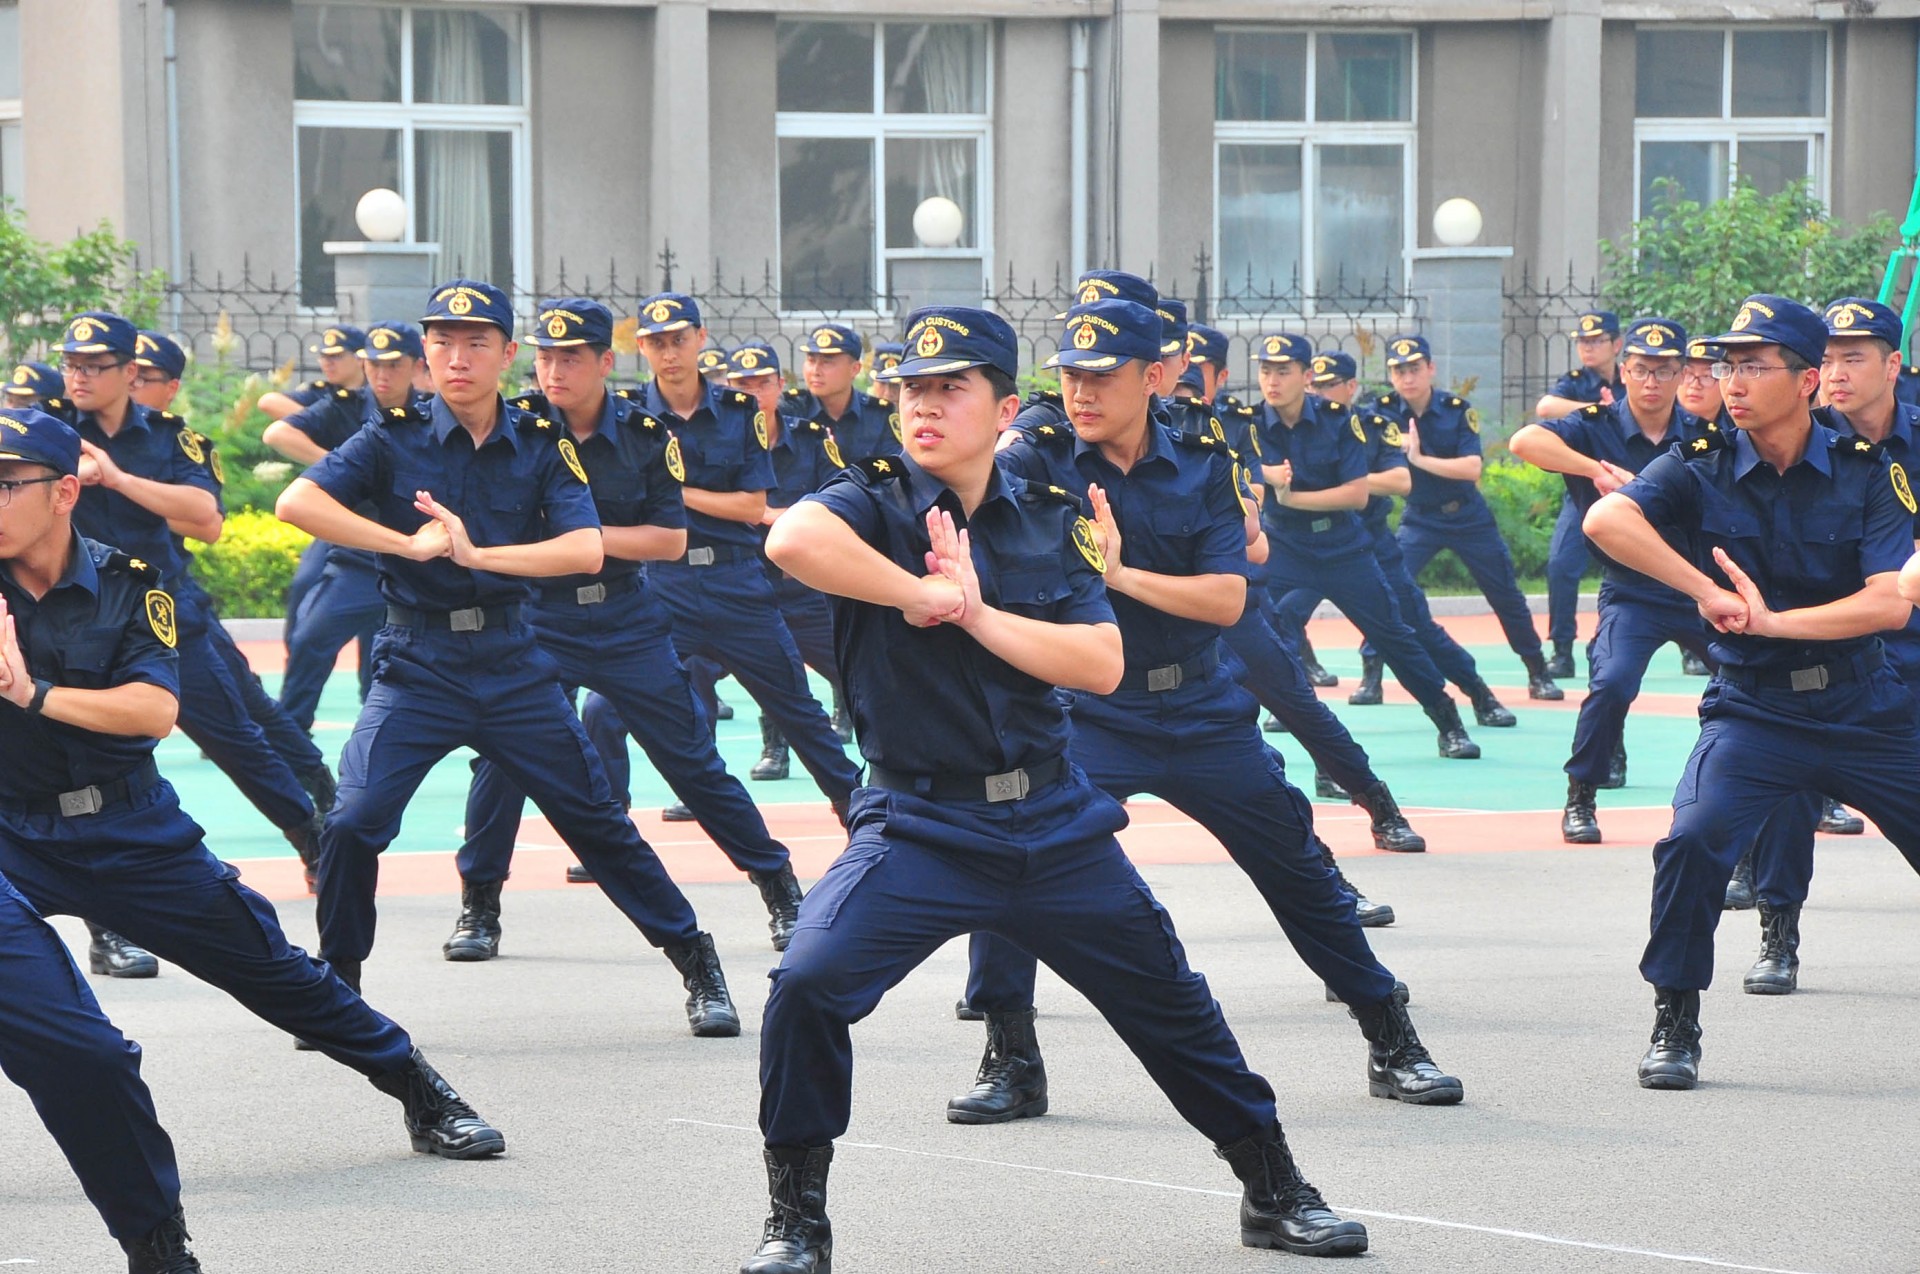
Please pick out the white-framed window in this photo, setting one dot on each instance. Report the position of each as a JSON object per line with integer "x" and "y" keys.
{"x": 13, "y": 170}
{"x": 1314, "y": 146}
{"x": 1717, "y": 105}
{"x": 428, "y": 100}
{"x": 873, "y": 119}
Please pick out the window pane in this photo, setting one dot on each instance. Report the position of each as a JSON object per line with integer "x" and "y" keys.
{"x": 825, "y": 66}
{"x": 1362, "y": 77}
{"x": 463, "y": 201}
{"x": 337, "y": 166}
{"x": 9, "y": 51}
{"x": 1260, "y": 75}
{"x": 466, "y": 58}
{"x": 1359, "y": 209}
{"x": 1779, "y": 73}
{"x": 13, "y": 172}
{"x": 346, "y": 53}
{"x": 826, "y": 222}
{"x": 1259, "y": 219}
{"x": 1700, "y": 169}
{"x": 921, "y": 167}
{"x": 1678, "y": 73}
{"x": 936, "y": 69}
{"x": 1772, "y": 166}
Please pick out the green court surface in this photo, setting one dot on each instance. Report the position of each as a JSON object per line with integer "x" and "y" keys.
{"x": 1520, "y": 768}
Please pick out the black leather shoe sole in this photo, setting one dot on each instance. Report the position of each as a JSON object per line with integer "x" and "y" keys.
{"x": 1440, "y": 1095}
{"x": 477, "y": 1146}
{"x": 1376, "y": 915}
{"x": 967, "y": 1013}
{"x": 1580, "y": 835}
{"x": 715, "y": 1028}
{"x": 1495, "y": 718}
{"x": 1770, "y": 985}
{"x": 1025, "y": 1110}
{"x": 676, "y": 814}
{"x": 578, "y": 875}
{"x": 1669, "y": 1080}
{"x": 1344, "y": 1244}
{"x": 148, "y": 968}
{"x": 1365, "y": 698}
{"x": 470, "y": 952}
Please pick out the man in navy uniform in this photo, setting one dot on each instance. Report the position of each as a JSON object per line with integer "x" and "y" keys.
{"x": 862, "y": 425}
{"x": 1596, "y": 340}
{"x": 1599, "y": 449}
{"x": 88, "y": 827}
{"x": 607, "y": 631}
{"x": 340, "y": 368}
{"x": 963, "y": 596}
{"x": 1169, "y": 530}
{"x": 713, "y": 365}
{"x": 33, "y": 382}
{"x": 474, "y": 500}
{"x": 886, "y": 357}
{"x": 1795, "y": 538}
{"x": 1441, "y": 435}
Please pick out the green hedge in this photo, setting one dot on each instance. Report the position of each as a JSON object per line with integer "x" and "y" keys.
{"x": 248, "y": 570}
{"x": 1525, "y": 502}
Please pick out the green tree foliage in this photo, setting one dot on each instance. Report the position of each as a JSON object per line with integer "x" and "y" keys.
{"x": 42, "y": 284}
{"x": 1695, "y": 262}
{"x": 248, "y": 570}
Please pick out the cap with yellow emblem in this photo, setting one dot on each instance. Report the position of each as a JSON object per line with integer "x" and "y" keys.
{"x": 712, "y": 360}
{"x": 1776, "y": 320}
{"x": 1101, "y": 336}
{"x": 952, "y": 338}
{"x": 887, "y": 356}
{"x": 99, "y": 332}
{"x": 469, "y": 301}
{"x": 391, "y": 340}
{"x": 31, "y": 435}
{"x": 35, "y": 381}
{"x": 1655, "y": 338}
{"x": 565, "y": 322}
{"x": 1596, "y": 323}
{"x": 753, "y": 358}
{"x": 1857, "y": 316}
{"x": 833, "y": 338}
{"x": 1283, "y": 347}
{"x": 1335, "y": 367}
{"x": 1402, "y": 350}
{"x": 161, "y": 353}
{"x": 339, "y": 340}
{"x": 668, "y": 312}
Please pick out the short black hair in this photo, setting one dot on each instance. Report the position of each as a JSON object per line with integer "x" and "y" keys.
{"x": 1796, "y": 365}
{"x": 1002, "y": 385}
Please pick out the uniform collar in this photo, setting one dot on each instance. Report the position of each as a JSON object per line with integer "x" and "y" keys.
{"x": 1630, "y": 427}
{"x": 137, "y": 418}
{"x": 1819, "y": 450}
{"x": 1157, "y": 445}
{"x": 925, "y": 490}
{"x": 656, "y": 402}
{"x": 441, "y": 420}
{"x": 80, "y": 572}
{"x": 1906, "y": 419}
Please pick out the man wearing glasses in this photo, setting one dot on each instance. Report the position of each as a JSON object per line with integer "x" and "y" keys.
{"x": 1599, "y": 449}
{"x": 1792, "y": 540}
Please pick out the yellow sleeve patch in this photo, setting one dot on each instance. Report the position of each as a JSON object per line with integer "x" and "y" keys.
{"x": 760, "y": 428}
{"x": 832, "y": 449}
{"x": 1089, "y": 548}
{"x": 161, "y": 618}
{"x": 572, "y": 456}
{"x": 190, "y": 443}
{"x": 676, "y": 464}
{"x": 1904, "y": 489}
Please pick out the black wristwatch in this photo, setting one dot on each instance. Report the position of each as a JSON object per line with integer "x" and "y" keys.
{"x": 40, "y": 687}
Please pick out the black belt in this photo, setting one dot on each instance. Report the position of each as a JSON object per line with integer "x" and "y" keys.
{"x": 1451, "y": 506}
{"x": 592, "y": 594}
{"x": 472, "y": 619}
{"x": 1170, "y": 676}
{"x": 718, "y": 555}
{"x": 1014, "y": 785}
{"x": 1818, "y": 677}
{"x": 89, "y": 800}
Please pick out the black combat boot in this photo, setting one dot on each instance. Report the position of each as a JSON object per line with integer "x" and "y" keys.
{"x": 113, "y": 955}
{"x": 781, "y": 892}
{"x": 1673, "y": 1061}
{"x": 167, "y": 1250}
{"x": 306, "y": 843}
{"x": 676, "y": 813}
{"x": 773, "y": 753}
{"x": 1540, "y": 681}
{"x": 1372, "y": 915}
{"x": 476, "y": 934}
{"x": 1317, "y": 677}
{"x": 438, "y": 1121}
{"x": 1454, "y": 743}
{"x": 1616, "y": 769}
{"x": 319, "y": 785}
{"x": 1367, "y": 693}
{"x": 967, "y": 1013}
{"x": 797, "y": 1238}
{"x": 710, "y": 1009}
{"x": 1279, "y": 1208}
{"x": 1390, "y": 827}
{"x": 1398, "y": 1064}
{"x": 580, "y": 873}
{"x": 842, "y": 718}
{"x": 1837, "y": 820}
{"x": 1272, "y": 725}
{"x": 1740, "y": 886}
{"x": 1399, "y": 989}
{"x": 722, "y": 710}
{"x": 1487, "y": 710}
{"x": 1579, "y": 822}
{"x": 1777, "y": 971}
{"x": 1326, "y": 789}
{"x": 1692, "y": 665}
{"x": 1012, "y": 1083}
{"x": 1561, "y": 664}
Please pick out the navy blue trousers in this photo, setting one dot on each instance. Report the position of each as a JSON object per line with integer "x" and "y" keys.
{"x": 1567, "y": 560}
{"x": 306, "y": 574}
{"x": 727, "y": 614}
{"x": 496, "y": 692}
{"x": 343, "y": 605}
{"x": 214, "y": 714}
{"x": 1045, "y": 873}
{"x": 809, "y": 620}
{"x": 1474, "y": 538}
{"x": 1628, "y": 633}
{"x": 622, "y": 650}
{"x": 1199, "y": 749}
{"x": 1858, "y": 741}
{"x": 1255, "y": 657}
{"x": 290, "y": 741}
{"x": 82, "y": 1075}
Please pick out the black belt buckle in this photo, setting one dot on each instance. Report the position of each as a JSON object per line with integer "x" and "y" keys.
{"x": 700, "y": 557}
{"x": 1452, "y": 506}
{"x": 1805, "y": 679}
{"x": 1163, "y": 679}
{"x": 1011, "y": 786}
{"x": 86, "y": 800}
{"x": 1320, "y": 526}
{"x": 471, "y": 620}
{"x": 590, "y": 595}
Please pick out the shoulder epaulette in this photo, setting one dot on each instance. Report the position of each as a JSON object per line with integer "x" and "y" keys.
{"x": 624, "y": 392}
{"x": 1044, "y": 396}
{"x": 536, "y": 403}
{"x": 647, "y": 422}
{"x": 1333, "y": 408}
{"x": 1047, "y": 491}
{"x": 795, "y": 393}
{"x": 1705, "y": 445}
{"x": 815, "y": 427}
{"x": 1384, "y": 400}
{"x": 1455, "y": 400}
{"x": 1205, "y": 442}
{"x": 408, "y": 414}
{"x": 119, "y": 562}
{"x": 1856, "y": 446}
{"x": 343, "y": 394}
{"x": 879, "y": 469}
{"x": 320, "y": 385}
{"x": 534, "y": 421}
{"x": 739, "y": 398}
{"x": 1593, "y": 411}
{"x": 1051, "y": 435}
{"x": 1241, "y": 409}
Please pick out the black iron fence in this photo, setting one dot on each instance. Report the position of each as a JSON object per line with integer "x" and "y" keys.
{"x": 243, "y": 319}
{"x": 1537, "y": 343}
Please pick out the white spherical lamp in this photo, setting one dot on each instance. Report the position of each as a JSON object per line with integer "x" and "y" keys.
{"x": 1457, "y": 222}
{"x": 381, "y": 215}
{"x": 938, "y": 222}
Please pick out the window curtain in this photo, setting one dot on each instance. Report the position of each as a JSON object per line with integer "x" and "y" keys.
{"x": 937, "y": 72}
{"x": 457, "y": 212}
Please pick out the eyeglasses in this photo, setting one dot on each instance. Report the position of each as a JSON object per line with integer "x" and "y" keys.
{"x": 152, "y": 378}
{"x": 84, "y": 371}
{"x": 1695, "y": 374}
{"x": 9, "y": 485}
{"x": 1658, "y": 375}
{"x": 1748, "y": 372}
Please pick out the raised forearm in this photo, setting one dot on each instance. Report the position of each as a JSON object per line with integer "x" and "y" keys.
{"x": 1394, "y": 481}
{"x": 1544, "y": 449}
{"x": 1205, "y": 599}
{"x": 1072, "y": 656}
{"x": 730, "y": 506}
{"x": 813, "y": 545}
{"x": 1876, "y": 608}
{"x": 644, "y": 543}
{"x": 573, "y": 553}
{"x": 305, "y": 505}
{"x": 1552, "y": 407}
{"x": 174, "y": 501}
{"x": 1623, "y": 533}
{"x": 1458, "y": 468}
{"x": 293, "y": 443}
{"x": 1348, "y": 495}
{"x": 138, "y": 710}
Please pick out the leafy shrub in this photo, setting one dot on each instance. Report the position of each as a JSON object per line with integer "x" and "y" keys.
{"x": 42, "y": 284}
{"x": 248, "y": 570}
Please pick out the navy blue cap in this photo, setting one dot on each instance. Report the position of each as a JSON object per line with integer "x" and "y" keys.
{"x": 752, "y": 358}
{"x": 833, "y": 338}
{"x": 1114, "y": 285}
{"x": 391, "y": 341}
{"x": 1334, "y": 367}
{"x": 712, "y": 359}
{"x": 1402, "y": 350}
{"x": 1190, "y": 379}
{"x": 1857, "y": 316}
{"x": 668, "y": 312}
{"x": 469, "y": 301}
{"x": 1101, "y": 336}
{"x": 1173, "y": 326}
{"x": 1206, "y": 344}
{"x": 1703, "y": 350}
{"x": 1282, "y": 347}
{"x": 27, "y": 433}
{"x": 1596, "y": 323}
{"x": 36, "y": 380}
{"x": 99, "y": 332}
{"x": 952, "y": 338}
{"x": 1655, "y": 338}
{"x": 340, "y": 340}
{"x": 1775, "y": 320}
{"x": 160, "y": 352}
{"x": 567, "y": 321}
{"x": 887, "y": 355}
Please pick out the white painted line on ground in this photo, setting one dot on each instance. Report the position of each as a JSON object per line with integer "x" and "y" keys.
{"x": 1234, "y": 1194}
